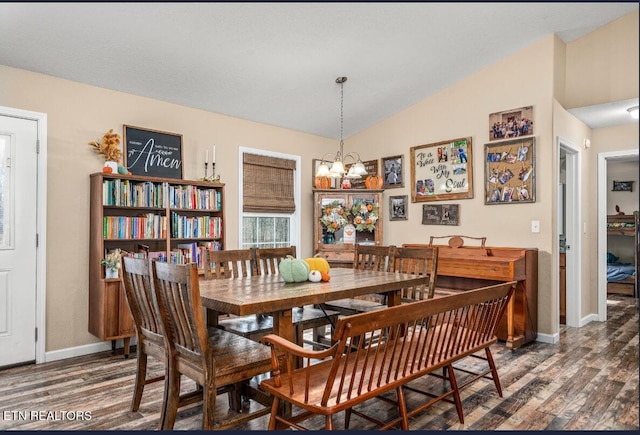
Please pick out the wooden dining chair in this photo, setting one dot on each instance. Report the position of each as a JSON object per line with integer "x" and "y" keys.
{"x": 216, "y": 360}
{"x": 137, "y": 283}
{"x": 377, "y": 258}
{"x": 234, "y": 263}
{"x": 417, "y": 261}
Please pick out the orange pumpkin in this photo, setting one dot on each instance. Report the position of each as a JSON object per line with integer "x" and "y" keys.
{"x": 322, "y": 182}
{"x": 373, "y": 182}
{"x": 107, "y": 170}
{"x": 325, "y": 276}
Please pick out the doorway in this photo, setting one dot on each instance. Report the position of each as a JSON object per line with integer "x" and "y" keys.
{"x": 22, "y": 236}
{"x": 603, "y": 159}
{"x": 569, "y": 237}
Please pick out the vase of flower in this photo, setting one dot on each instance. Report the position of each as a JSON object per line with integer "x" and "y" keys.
{"x": 111, "y": 264}
{"x": 111, "y": 273}
{"x": 111, "y": 164}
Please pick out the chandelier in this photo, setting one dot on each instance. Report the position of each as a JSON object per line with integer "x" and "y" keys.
{"x": 337, "y": 170}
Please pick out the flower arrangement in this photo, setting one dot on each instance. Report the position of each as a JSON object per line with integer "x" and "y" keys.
{"x": 112, "y": 260}
{"x": 108, "y": 146}
{"x": 334, "y": 216}
{"x": 365, "y": 215}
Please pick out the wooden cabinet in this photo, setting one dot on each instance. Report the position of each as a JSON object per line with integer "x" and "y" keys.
{"x": 622, "y": 230}
{"x": 354, "y": 206}
{"x": 165, "y": 218}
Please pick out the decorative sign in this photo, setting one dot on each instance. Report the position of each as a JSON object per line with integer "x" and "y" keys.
{"x": 510, "y": 172}
{"x": 372, "y": 169}
{"x": 440, "y": 214}
{"x": 152, "y": 153}
{"x": 442, "y": 171}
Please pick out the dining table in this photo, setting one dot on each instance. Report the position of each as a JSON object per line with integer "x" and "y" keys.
{"x": 270, "y": 294}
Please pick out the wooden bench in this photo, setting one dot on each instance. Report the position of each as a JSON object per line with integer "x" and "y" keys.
{"x": 412, "y": 340}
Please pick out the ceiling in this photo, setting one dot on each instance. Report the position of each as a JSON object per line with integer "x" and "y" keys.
{"x": 276, "y": 63}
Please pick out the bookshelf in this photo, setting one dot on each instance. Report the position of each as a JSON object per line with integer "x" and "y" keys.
{"x": 164, "y": 218}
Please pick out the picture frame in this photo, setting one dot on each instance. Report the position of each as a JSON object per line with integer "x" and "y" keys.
{"x": 440, "y": 214}
{"x": 510, "y": 124}
{"x": 398, "y": 208}
{"x": 152, "y": 153}
{"x": 622, "y": 186}
{"x": 442, "y": 170}
{"x": 510, "y": 176}
{"x": 371, "y": 167}
{"x": 314, "y": 168}
{"x": 393, "y": 172}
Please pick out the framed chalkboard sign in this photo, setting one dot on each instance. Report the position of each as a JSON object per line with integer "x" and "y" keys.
{"x": 152, "y": 153}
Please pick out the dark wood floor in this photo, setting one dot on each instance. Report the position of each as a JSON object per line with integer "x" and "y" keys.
{"x": 588, "y": 381}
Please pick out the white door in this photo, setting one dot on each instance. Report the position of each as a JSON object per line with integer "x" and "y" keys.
{"x": 18, "y": 177}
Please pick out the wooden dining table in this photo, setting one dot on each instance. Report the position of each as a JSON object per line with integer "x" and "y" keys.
{"x": 269, "y": 294}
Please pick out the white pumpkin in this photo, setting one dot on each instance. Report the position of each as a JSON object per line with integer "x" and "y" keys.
{"x": 315, "y": 276}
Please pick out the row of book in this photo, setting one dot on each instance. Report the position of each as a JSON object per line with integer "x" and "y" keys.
{"x": 183, "y": 253}
{"x": 194, "y": 198}
{"x": 200, "y": 227}
{"x": 147, "y": 226}
{"x": 127, "y": 193}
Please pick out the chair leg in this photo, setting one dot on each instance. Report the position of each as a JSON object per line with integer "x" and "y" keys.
{"x": 494, "y": 371}
{"x": 235, "y": 397}
{"x": 141, "y": 374}
{"x": 274, "y": 412}
{"x": 402, "y": 408}
{"x": 456, "y": 393}
{"x": 172, "y": 391}
{"x": 347, "y": 418}
{"x": 328, "y": 422}
{"x": 162, "y": 424}
{"x": 209, "y": 404}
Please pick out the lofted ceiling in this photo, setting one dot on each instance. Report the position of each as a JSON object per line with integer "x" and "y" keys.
{"x": 276, "y": 63}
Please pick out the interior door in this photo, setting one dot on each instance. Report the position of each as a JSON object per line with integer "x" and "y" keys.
{"x": 18, "y": 170}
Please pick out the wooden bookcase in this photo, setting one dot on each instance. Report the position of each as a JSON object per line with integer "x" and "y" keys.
{"x": 133, "y": 212}
{"x": 335, "y": 251}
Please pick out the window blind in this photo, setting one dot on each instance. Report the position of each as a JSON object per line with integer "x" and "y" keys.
{"x": 267, "y": 184}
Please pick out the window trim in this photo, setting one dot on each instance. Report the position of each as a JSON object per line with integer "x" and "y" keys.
{"x": 295, "y": 227}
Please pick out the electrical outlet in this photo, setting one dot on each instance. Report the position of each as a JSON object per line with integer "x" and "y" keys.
{"x": 535, "y": 226}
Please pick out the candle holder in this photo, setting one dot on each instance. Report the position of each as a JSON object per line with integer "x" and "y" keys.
{"x": 213, "y": 178}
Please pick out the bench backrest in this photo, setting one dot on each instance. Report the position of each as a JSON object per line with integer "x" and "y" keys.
{"x": 408, "y": 342}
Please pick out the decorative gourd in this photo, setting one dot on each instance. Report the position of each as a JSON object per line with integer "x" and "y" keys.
{"x": 322, "y": 182}
{"x": 373, "y": 182}
{"x": 122, "y": 170}
{"x": 318, "y": 263}
{"x": 325, "y": 276}
{"x": 107, "y": 169}
{"x": 293, "y": 269}
{"x": 315, "y": 276}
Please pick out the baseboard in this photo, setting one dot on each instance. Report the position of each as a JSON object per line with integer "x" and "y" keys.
{"x": 548, "y": 338}
{"x": 588, "y": 319}
{"x": 70, "y": 352}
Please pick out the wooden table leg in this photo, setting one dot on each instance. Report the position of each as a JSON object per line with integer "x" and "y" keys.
{"x": 212, "y": 317}
{"x": 283, "y": 327}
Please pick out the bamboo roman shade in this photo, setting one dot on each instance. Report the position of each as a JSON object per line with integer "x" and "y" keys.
{"x": 267, "y": 184}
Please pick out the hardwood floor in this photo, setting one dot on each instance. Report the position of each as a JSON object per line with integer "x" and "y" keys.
{"x": 588, "y": 381}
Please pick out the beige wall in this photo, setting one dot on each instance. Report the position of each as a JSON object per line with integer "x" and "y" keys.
{"x": 79, "y": 113}
{"x": 602, "y": 66}
{"x": 523, "y": 79}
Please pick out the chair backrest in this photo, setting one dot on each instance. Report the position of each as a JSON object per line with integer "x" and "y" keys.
{"x": 178, "y": 294}
{"x": 138, "y": 288}
{"x": 417, "y": 261}
{"x": 378, "y": 258}
{"x": 266, "y": 260}
{"x": 235, "y": 263}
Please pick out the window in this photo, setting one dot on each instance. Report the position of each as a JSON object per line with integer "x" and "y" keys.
{"x": 270, "y": 192}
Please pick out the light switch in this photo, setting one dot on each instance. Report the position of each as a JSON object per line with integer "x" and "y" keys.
{"x": 535, "y": 226}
